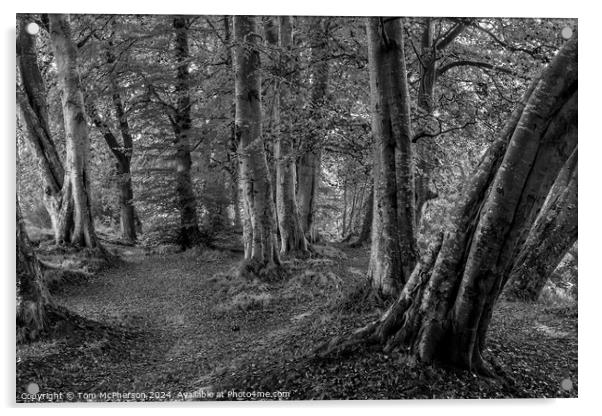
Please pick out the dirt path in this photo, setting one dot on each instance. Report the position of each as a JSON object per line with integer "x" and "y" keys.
{"x": 175, "y": 335}
{"x": 170, "y": 325}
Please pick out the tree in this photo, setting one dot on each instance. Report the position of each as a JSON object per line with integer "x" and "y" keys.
{"x": 392, "y": 254}
{"x": 256, "y": 190}
{"x": 189, "y": 234}
{"x": 34, "y": 109}
{"x": 76, "y": 130}
{"x": 33, "y": 299}
{"x": 444, "y": 310}
{"x": 122, "y": 152}
{"x": 292, "y": 238}
{"x": 550, "y": 238}
{"x": 309, "y": 162}
{"x": 367, "y": 220}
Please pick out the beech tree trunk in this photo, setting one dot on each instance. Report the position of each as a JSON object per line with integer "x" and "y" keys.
{"x": 309, "y": 163}
{"x": 392, "y": 255}
{"x": 444, "y": 310}
{"x": 232, "y": 165}
{"x": 552, "y": 235}
{"x": 122, "y": 153}
{"x": 76, "y": 130}
{"x": 367, "y": 221}
{"x": 292, "y": 238}
{"x": 258, "y": 214}
{"x": 189, "y": 234}
{"x": 33, "y": 298}
{"x": 34, "y": 109}
{"x": 126, "y": 193}
{"x": 425, "y": 159}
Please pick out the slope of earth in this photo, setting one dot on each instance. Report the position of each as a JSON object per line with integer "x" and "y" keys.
{"x": 183, "y": 326}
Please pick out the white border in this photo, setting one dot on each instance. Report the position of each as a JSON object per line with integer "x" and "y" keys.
{"x": 589, "y": 197}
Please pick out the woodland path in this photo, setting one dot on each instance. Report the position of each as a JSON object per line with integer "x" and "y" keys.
{"x": 162, "y": 325}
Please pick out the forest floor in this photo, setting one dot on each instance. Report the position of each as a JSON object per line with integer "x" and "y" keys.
{"x": 182, "y": 326}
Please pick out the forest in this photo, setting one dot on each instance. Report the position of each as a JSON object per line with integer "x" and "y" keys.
{"x": 282, "y": 207}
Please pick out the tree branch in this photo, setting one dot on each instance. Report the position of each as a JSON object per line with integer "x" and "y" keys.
{"x": 424, "y": 133}
{"x": 452, "y": 34}
{"x": 442, "y": 70}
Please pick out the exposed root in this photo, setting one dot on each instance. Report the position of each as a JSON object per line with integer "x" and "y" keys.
{"x": 344, "y": 345}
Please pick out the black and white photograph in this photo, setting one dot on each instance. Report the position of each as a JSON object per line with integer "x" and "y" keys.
{"x": 273, "y": 207}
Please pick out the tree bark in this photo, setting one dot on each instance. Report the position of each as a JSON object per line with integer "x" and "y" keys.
{"x": 292, "y": 238}
{"x": 126, "y": 193}
{"x": 309, "y": 163}
{"x": 367, "y": 221}
{"x": 232, "y": 142}
{"x": 121, "y": 151}
{"x": 34, "y": 109}
{"x": 33, "y": 298}
{"x": 393, "y": 242}
{"x": 189, "y": 233}
{"x": 552, "y": 235}
{"x": 77, "y": 140}
{"x": 444, "y": 310}
{"x": 426, "y": 102}
{"x": 258, "y": 215}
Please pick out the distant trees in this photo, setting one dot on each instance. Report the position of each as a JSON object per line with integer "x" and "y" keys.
{"x": 259, "y": 233}
{"x": 445, "y": 308}
{"x": 122, "y": 151}
{"x": 189, "y": 234}
{"x": 309, "y": 162}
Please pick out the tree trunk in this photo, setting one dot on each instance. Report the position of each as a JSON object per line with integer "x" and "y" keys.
{"x": 127, "y": 217}
{"x": 292, "y": 239}
{"x": 552, "y": 235}
{"x": 77, "y": 140}
{"x": 33, "y": 298}
{"x": 308, "y": 179}
{"x": 367, "y": 221}
{"x": 259, "y": 222}
{"x": 344, "y": 219}
{"x": 34, "y": 109}
{"x": 404, "y": 163}
{"x": 445, "y": 308}
{"x": 122, "y": 153}
{"x": 309, "y": 164}
{"x": 189, "y": 233}
{"x": 232, "y": 142}
{"x": 426, "y": 159}
{"x": 426, "y": 102}
{"x": 126, "y": 194}
{"x": 352, "y": 214}
{"x": 393, "y": 243}
{"x": 428, "y": 68}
